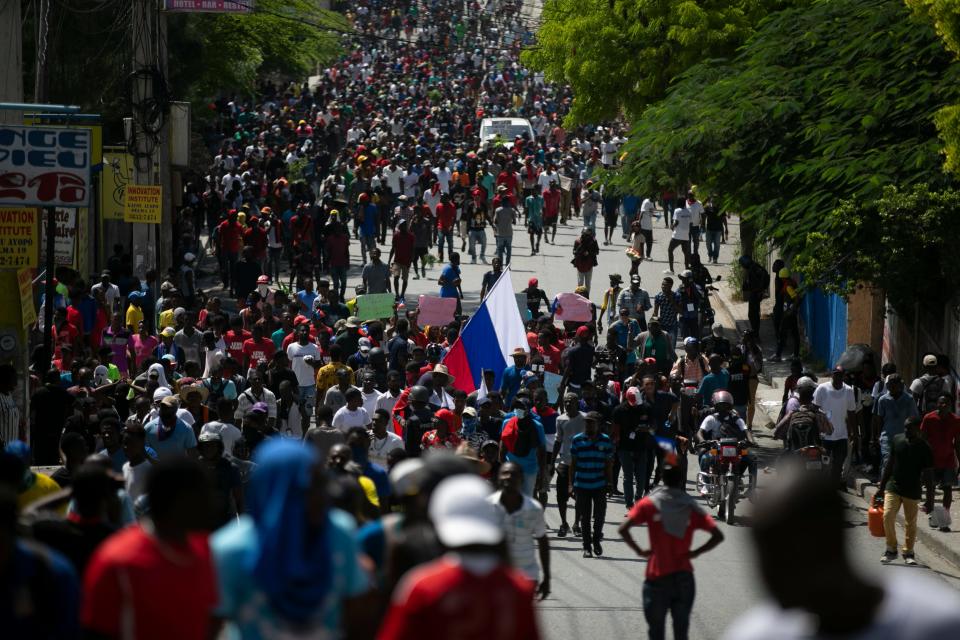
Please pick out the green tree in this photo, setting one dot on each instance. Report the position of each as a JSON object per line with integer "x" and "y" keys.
{"x": 902, "y": 242}
{"x": 823, "y": 103}
{"x": 207, "y": 53}
{"x": 945, "y": 15}
{"x": 620, "y": 55}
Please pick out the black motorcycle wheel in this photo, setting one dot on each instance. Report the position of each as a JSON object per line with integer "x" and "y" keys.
{"x": 731, "y": 504}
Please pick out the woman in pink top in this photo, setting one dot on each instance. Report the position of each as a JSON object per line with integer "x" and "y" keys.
{"x": 143, "y": 344}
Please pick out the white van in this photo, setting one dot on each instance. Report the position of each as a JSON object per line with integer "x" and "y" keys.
{"x": 503, "y": 131}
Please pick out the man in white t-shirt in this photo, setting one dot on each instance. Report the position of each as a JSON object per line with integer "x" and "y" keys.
{"x": 837, "y": 400}
{"x": 696, "y": 221}
{"x": 523, "y": 523}
{"x": 382, "y": 441}
{"x": 680, "y": 237}
{"x": 820, "y": 595}
{"x": 352, "y": 414}
{"x": 304, "y": 358}
{"x": 393, "y": 176}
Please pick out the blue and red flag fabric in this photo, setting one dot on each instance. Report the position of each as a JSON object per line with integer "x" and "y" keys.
{"x": 490, "y": 337}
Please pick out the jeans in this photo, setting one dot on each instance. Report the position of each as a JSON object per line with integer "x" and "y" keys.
{"x": 583, "y": 278}
{"x": 625, "y": 221}
{"x": 504, "y": 245}
{"x": 891, "y": 506}
{"x": 307, "y": 396}
{"x": 478, "y": 236}
{"x": 444, "y": 235}
{"x": 838, "y": 454}
{"x": 366, "y": 243}
{"x": 563, "y": 493}
{"x": 338, "y": 276}
{"x": 590, "y": 221}
{"x": 634, "y": 464}
{"x": 273, "y": 263}
{"x": 673, "y": 592}
{"x": 529, "y": 483}
{"x": 694, "y": 239}
{"x": 591, "y": 502}
{"x": 713, "y": 244}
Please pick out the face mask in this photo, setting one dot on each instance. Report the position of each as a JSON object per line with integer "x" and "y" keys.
{"x": 520, "y": 413}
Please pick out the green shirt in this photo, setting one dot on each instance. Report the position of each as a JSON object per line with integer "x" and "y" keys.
{"x": 910, "y": 459}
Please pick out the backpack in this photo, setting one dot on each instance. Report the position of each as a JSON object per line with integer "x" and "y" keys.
{"x": 929, "y": 393}
{"x": 728, "y": 426}
{"x": 527, "y": 439}
{"x": 804, "y": 429}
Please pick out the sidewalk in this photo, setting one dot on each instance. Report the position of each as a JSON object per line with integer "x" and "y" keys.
{"x": 733, "y": 315}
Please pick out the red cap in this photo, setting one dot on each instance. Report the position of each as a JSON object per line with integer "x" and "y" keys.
{"x": 533, "y": 282}
{"x": 583, "y": 331}
{"x": 447, "y": 416}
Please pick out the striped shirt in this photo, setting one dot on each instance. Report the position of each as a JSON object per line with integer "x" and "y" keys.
{"x": 9, "y": 418}
{"x": 590, "y": 458}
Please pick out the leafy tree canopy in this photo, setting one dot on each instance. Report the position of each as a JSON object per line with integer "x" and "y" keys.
{"x": 824, "y": 103}
{"x": 945, "y": 15}
{"x": 902, "y": 242}
{"x": 620, "y": 55}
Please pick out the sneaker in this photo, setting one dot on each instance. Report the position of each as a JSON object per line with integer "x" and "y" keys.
{"x": 774, "y": 358}
{"x": 888, "y": 557}
{"x": 473, "y": 261}
{"x": 576, "y": 530}
{"x": 910, "y": 559}
{"x": 945, "y": 529}
{"x": 563, "y": 530}
{"x": 416, "y": 276}
{"x": 597, "y": 549}
{"x": 587, "y": 553}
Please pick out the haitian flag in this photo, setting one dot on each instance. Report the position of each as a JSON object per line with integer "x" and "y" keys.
{"x": 491, "y": 335}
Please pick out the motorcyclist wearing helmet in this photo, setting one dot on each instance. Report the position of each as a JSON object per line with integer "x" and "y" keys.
{"x": 725, "y": 423}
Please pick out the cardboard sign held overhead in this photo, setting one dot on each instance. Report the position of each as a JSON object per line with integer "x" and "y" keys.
{"x": 436, "y": 311}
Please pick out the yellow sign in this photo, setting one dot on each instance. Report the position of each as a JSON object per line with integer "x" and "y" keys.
{"x": 19, "y": 237}
{"x": 27, "y": 310}
{"x": 142, "y": 203}
{"x": 116, "y": 175}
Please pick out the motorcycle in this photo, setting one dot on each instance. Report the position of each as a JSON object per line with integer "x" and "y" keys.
{"x": 721, "y": 485}
{"x": 814, "y": 458}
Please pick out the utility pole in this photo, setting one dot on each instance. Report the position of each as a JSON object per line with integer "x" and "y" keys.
{"x": 151, "y": 243}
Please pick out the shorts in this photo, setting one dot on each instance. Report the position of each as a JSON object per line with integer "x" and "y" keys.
{"x": 397, "y": 269}
{"x": 420, "y": 251}
{"x": 945, "y": 477}
{"x": 534, "y": 228}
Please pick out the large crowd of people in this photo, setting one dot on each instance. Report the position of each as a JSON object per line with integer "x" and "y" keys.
{"x": 255, "y": 454}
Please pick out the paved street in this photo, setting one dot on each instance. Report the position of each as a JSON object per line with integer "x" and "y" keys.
{"x": 601, "y": 598}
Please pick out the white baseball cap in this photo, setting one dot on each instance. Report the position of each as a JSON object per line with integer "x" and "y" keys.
{"x": 461, "y": 513}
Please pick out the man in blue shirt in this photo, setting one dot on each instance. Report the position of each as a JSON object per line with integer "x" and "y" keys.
{"x": 369, "y": 225}
{"x": 450, "y": 280}
{"x": 306, "y": 296}
{"x": 627, "y": 330}
{"x": 717, "y": 380}
{"x": 513, "y": 376}
{"x": 167, "y": 434}
{"x": 591, "y": 454}
{"x": 358, "y": 439}
{"x": 893, "y": 409}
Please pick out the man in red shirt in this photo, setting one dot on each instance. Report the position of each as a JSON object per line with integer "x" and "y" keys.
{"x": 156, "y": 580}
{"x": 446, "y": 218}
{"x": 230, "y": 234}
{"x": 671, "y": 517}
{"x": 401, "y": 257}
{"x": 338, "y": 254}
{"x": 552, "y": 354}
{"x": 941, "y": 429}
{"x": 454, "y": 596}
{"x": 255, "y": 236}
{"x": 235, "y": 337}
{"x": 258, "y": 349}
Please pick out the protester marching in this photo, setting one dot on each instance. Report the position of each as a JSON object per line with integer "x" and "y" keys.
{"x": 332, "y": 419}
